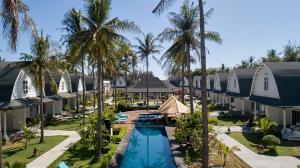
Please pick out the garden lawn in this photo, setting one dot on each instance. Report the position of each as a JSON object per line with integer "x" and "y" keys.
{"x": 251, "y": 140}
{"x": 230, "y": 121}
{"x": 67, "y": 125}
{"x": 16, "y": 151}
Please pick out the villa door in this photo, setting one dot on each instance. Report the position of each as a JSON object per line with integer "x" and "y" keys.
{"x": 296, "y": 117}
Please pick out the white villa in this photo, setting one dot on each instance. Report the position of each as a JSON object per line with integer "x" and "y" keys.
{"x": 186, "y": 85}
{"x": 238, "y": 88}
{"x": 219, "y": 88}
{"x": 197, "y": 86}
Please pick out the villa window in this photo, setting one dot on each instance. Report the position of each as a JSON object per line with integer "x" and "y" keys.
{"x": 62, "y": 85}
{"x": 234, "y": 83}
{"x": 25, "y": 86}
{"x": 266, "y": 83}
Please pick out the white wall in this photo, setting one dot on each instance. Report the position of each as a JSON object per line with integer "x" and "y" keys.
{"x": 230, "y": 86}
{"x": 186, "y": 82}
{"x": 208, "y": 83}
{"x": 13, "y": 119}
{"x": 217, "y": 84}
{"x": 64, "y": 84}
{"x": 197, "y": 82}
{"x": 258, "y": 82}
{"x": 80, "y": 86}
{"x": 18, "y": 92}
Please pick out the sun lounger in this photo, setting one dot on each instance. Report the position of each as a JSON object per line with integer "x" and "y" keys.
{"x": 62, "y": 165}
{"x": 122, "y": 114}
{"x": 121, "y": 120}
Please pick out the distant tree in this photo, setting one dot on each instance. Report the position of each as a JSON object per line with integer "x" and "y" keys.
{"x": 272, "y": 56}
{"x": 290, "y": 53}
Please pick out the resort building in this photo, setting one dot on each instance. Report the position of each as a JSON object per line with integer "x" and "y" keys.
{"x": 219, "y": 88}
{"x": 186, "y": 85}
{"x": 238, "y": 88}
{"x": 197, "y": 86}
{"x": 275, "y": 92}
{"x": 119, "y": 83}
{"x": 157, "y": 89}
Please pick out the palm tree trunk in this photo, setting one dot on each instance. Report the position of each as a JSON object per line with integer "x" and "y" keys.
{"x": 190, "y": 78}
{"x": 41, "y": 105}
{"x": 77, "y": 93}
{"x": 99, "y": 112}
{"x": 83, "y": 90}
{"x": 182, "y": 83}
{"x": 205, "y": 156}
{"x": 1, "y": 150}
{"x": 94, "y": 92}
{"x": 147, "y": 76}
{"x": 102, "y": 87}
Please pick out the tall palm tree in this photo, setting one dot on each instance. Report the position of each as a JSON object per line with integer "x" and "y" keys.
{"x": 40, "y": 62}
{"x": 14, "y": 15}
{"x": 185, "y": 32}
{"x": 163, "y": 5}
{"x": 100, "y": 35}
{"x": 145, "y": 48}
{"x": 73, "y": 25}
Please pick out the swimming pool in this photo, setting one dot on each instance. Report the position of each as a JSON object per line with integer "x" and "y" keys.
{"x": 148, "y": 147}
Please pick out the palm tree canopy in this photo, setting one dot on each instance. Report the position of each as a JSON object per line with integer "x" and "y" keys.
{"x": 14, "y": 14}
{"x": 147, "y": 46}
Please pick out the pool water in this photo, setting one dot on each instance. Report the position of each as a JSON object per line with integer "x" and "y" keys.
{"x": 148, "y": 147}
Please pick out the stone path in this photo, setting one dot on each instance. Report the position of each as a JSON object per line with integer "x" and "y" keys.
{"x": 253, "y": 159}
{"x": 47, "y": 158}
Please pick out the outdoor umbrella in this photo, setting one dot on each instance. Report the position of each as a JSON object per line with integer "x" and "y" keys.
{"x": 173, "y": 108}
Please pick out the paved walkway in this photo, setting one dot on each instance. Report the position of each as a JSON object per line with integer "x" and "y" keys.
{"x": 47, "y": 158}
{"x": 109, "y": 101}
{"x": 253, "y": 159}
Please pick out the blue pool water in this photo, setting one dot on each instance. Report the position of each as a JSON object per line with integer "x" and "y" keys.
{"x": 148, "y": 148}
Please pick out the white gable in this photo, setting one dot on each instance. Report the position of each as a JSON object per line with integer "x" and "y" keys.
{"x": 186, "y": 82}
{"x": 257, "y": 87}
{"x": 197, "y": 82}
{"x": 217, "y": 83}
{"x": 64, "y": 84}
{"x": 208, "y": 82}
{"x": 24, "y": 87}
{"x": 120, "y": 82}
{"x": 80, "y": 86}
{"x": 233, "y": 83}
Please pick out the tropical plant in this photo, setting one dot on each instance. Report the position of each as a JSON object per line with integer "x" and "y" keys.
{"x": 28, "y": 134}
{"x": 163, "y": 5}
{"x": 39, "y": 64}
{"x": 271, "y": 141}
{"x": 14, "y": 15}
{"x": 184, "y": 33}
{"x": 225, "y": 150}
{"x": 16, "y": 164}
{"x": 266, "y": 125}
{"x": 144, "y": 49}
{"x": 290, "y": 53}
{"x": 73, "y": 25}
{"x": 272, "y": 56}
{"x": 100, "y": 37}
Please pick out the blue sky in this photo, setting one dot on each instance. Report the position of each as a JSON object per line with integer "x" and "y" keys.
{"x": 248, "y": 28}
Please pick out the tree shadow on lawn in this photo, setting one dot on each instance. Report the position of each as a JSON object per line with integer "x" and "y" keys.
{"x": 78, "y": 153}
{"x": 255, "y": 140}
{"x": 62, "y": 122}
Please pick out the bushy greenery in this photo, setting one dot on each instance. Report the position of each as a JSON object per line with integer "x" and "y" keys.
{"x": 29, "y": 134}
{"x": 16, "y": 164}
{"x": 267, "y": 126}
{"x": 213, "y": 120}
{"x": 271, "y": 141}
{"x": 212, "y": 106}
{"x": 122, "y": 106}
{"x": 121, "y": 133}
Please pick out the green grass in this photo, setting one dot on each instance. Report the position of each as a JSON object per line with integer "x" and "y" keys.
{"x": 81, "y": 155}
{"x": 16, "y": 151}
{"x": 67, "y": 125}
{"x": 251, "y": 140}
{"x": 233, "y": 120}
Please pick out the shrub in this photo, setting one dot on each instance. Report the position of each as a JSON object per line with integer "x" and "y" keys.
{"x": 118, "y": 138}
{"x": 212, "y": 106}
{"x": 105, "y": 159}
{"x": 122, "y": 106}
{"x": 271, "y": 141}
{"x": 267, "y": 126}
{"x": 213, "y": 120}
{"x": 16, "y": 164}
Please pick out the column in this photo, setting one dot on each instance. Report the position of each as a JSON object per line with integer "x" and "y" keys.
{"x": 255, "y": 111}
{"x": 4, "y": 126}
{"x": 243, "y": 107}
{"x": 284, "y": 118}
{"x": 267, "y": 110}
{"x": 53, "y": 108}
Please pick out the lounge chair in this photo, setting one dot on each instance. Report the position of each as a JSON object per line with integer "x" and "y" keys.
{"x": 122, "y": 114}
{"x": 62, "y": 165}
{"x": 121, "y": 120}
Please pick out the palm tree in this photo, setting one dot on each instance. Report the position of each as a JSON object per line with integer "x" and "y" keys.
{"x": 15, "y": 13}
{"x": 100, "y": 36}
{"x": 144, "y": 49}
{"x": 39, "y": 64}
{"x": 73, "y": 25}
{"x": 185, "y": 35}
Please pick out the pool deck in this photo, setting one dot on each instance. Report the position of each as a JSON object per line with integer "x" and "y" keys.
{"x": 130, "y": 124}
